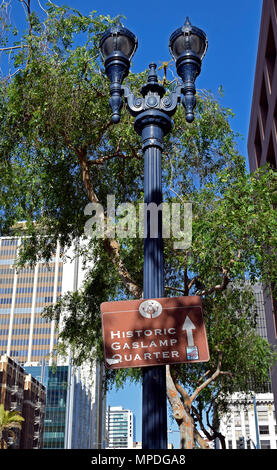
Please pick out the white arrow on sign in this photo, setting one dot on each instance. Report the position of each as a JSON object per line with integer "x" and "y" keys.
{"x": 189, "y": 326}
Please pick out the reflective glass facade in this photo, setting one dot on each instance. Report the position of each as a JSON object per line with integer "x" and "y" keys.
{"x": 56, "y": 381}
{"x": 55, "y": 417}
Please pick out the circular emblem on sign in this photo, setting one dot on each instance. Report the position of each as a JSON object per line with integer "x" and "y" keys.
{"x": 150, "y": 309}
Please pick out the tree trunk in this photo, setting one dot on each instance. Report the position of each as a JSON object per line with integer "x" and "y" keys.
{"x": 181, "y": 414}
{"x": 3, "y": 444}
{"x": 187, "y": 440}
{"x": 189, "y": 436}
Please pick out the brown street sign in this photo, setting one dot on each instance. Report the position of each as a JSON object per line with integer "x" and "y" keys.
{"x": 141, "y": 333}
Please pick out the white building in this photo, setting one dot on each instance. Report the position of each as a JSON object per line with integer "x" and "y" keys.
{"x": 119, "y": 428}
{"x": 253, "y": 418}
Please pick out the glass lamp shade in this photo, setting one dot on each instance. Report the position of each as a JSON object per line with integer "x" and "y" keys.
{"x": 188, "y": 39}
{"x": 118, "y": 39}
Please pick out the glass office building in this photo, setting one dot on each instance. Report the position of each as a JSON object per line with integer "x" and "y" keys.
{"x": 75, "y": 407}
{"x": 56, "y": 382}
{"x": 56, "y": 406}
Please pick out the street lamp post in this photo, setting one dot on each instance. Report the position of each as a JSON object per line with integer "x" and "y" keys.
{"x": 256, "y": 421}
{"x": 153, "y": 112}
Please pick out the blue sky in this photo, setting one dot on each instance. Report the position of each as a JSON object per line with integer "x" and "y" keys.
{"x": 232, "y": 28}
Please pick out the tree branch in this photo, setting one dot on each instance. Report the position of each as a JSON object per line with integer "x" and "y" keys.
{"x": 218, "y": 287}
{"x": 200, "y": 421}
{"x": 184, "y": 291}
{"x": 12, "y": 47}
{"x": 113, "y": 249}
{"x": 175, "y": 289}
{"x": 112, "y": 246}
{"x": 215, "y": 431}
{"x": 211, "y": 379}
{"x": 82, "y": 156}
{"x": 102, "y": 160}
{"x": 203, "y": 376}
{"x": 184, "y": 395}
{"x": 202, "y": 443}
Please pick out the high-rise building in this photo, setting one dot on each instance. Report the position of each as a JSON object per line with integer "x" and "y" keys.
{"x": 119, "y": 428}
{"x": 25, "y": 335}
{"x": 75, "y": 405}
{"x": 262, "y": 137}
{"x": 262, "y": 145}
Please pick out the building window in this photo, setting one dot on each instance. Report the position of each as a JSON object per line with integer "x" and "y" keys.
{"x": 270, "y": 54}
{"x": 265, "y": 445}
{"x": 270, "y": 157}
{"x": 263, "y": 105}
{"x": 6, "y": 300}
{"x": 258, "y": 145}
{"x": 274, "y": 308}
{"x": 7, "y": 252}
{"x": 263, "y": 415}
{"x": 9, "y": 242}
{"x": 264, "y": 429}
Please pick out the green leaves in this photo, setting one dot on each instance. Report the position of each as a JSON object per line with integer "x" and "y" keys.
{"x": 57, "y": 142}
{"x": 238, "y": 227}
{"x": 9, "y": 419}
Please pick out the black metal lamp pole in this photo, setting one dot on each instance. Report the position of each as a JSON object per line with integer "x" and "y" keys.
{"x": 152, "y": 125}
{"x": 152, "y": 114}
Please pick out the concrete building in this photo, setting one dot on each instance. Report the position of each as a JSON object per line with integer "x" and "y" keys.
{"x": 262, "y": 145}
{"x": 76, "y": 419}
{"x": 252, "y": 418}
{"x": 21, "y": 392}
{"x": 119, "y": 428}
{"x": 262, "y": 137}
{"x": 25, "y": 335}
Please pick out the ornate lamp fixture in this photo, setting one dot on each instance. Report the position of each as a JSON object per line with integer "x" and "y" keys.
{"x": 188, "y": 45}
{"x": 117, "y": 47}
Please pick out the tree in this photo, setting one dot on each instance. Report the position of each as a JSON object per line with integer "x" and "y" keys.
{"x": 59, "y": 151}
{"x": 9, "y": 420}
